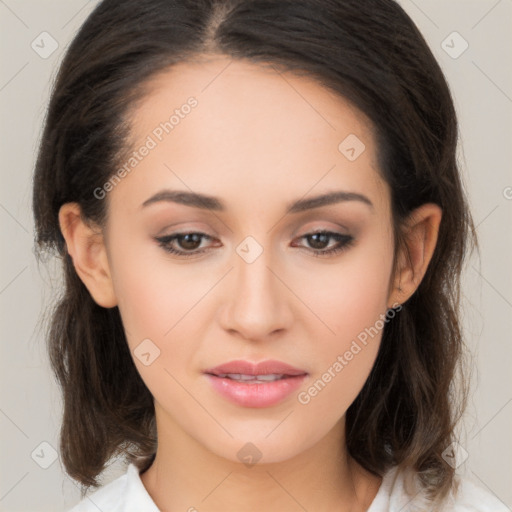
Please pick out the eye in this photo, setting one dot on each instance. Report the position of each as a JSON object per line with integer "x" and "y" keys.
{"x": 188, "y": 243}
{"x": 319, "y": 242}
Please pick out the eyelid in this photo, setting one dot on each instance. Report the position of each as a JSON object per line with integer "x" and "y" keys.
{"x": 325, "y": 220}
{"x": 333, "y": 231}
{"x": 183, "y": 228}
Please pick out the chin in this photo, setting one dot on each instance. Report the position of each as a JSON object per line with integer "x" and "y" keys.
{"x": 259, "y": 448}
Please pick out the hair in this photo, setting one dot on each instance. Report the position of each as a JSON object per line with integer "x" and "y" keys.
{"x": 369, "y": 53}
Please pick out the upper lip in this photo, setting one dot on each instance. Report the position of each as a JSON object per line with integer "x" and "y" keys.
{"x": 267, "y": 367}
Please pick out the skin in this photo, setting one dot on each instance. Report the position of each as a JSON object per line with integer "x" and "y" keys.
{"x": 257, "y": 140}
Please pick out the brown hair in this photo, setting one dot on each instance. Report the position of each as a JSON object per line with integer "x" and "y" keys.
{"x": 370, "y": 53}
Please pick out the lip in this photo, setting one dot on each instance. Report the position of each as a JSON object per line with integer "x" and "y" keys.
{"x": 262, "y": 368}
{"x": 260, "y": 394}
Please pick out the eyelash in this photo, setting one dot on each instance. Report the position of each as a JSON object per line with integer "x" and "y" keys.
{"x": 346, "y": 241}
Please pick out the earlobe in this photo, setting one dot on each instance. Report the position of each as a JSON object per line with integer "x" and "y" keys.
{"x": 87, "y": 249}
{"x": 421, "y": 233}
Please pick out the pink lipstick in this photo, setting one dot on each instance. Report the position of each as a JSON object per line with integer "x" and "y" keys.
{"x": 255, "y": 384}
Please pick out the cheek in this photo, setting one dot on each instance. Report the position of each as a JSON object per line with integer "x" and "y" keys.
{"x": 153, "y": 304}
{"x": 351, "y": 294}
{"x": 154, "y": 295}
{"x": 159, "y": 302}
{"x": 350, "y": 299}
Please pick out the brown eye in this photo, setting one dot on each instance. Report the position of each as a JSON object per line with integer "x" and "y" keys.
{"x": 319, "y": 241}
{"x": 183, "y": 244}
{"x": 189, "y": 241}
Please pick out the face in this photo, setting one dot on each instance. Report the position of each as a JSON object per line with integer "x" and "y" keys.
{"x": 251, "y": 281}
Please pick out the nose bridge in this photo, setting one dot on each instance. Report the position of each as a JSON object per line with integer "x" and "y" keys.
{"x": 252, "y": 268}
{"x": 253, "y": 278}
{"x": 257, "y": 305}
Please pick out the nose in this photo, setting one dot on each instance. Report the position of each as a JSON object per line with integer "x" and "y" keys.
{"x": 257, "y": 304}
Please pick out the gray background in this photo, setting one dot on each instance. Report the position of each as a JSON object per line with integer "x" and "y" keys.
{"x": 481, "y": 82}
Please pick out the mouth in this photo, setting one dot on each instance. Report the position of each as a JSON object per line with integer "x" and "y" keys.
{"x": 253, "y": 379}
{"x": 255, "y": 384}
{"x": 246, "y": 370}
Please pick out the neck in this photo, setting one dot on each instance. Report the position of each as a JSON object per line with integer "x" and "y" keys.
{"x": 187, "y": 476}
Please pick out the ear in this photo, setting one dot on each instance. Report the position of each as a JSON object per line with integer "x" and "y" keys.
{"x": 421, "y": 231}
{"x": 86, "y": 248}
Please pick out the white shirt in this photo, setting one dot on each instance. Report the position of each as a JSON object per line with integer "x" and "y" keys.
{"x": 128, "y": 494}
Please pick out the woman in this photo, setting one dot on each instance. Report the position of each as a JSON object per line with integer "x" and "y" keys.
{"x": 262, "y": 227}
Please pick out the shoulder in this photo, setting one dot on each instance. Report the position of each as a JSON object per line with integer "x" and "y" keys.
{"x": 400, "y": 491}
{"x": 124, "y": 494}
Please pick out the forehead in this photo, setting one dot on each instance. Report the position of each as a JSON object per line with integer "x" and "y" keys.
{"x": 252, "y": 128}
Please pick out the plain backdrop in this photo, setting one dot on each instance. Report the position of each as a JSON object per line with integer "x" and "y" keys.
{"x": 480, "y": 76}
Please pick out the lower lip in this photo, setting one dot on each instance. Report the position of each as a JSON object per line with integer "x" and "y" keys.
{"x": 261, "y": 394}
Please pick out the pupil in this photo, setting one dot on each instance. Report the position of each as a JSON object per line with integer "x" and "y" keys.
{"x": 319, "y": 240}
{"x": 190, "y": 241}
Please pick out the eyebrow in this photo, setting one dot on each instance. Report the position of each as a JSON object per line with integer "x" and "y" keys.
{"x": 206, "y": 202}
